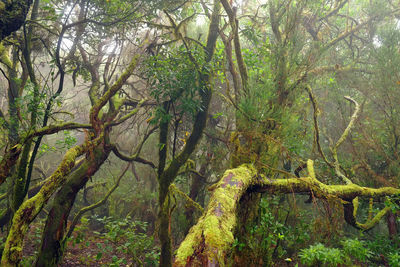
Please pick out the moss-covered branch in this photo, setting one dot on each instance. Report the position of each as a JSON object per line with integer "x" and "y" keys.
{"x": 211, "y": 238}
{"x": 174, "y": 190}
{"x": 342, "y": 138}
{"x": 99, "y": 103}
{"x": 11, "y": 156}
{"x": 52, "y": 129}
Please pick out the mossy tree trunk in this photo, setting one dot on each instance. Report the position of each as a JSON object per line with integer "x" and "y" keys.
{"x": 209, "y": 241}
{"x": 53, "y": 242}
{"x": 21, "y": 182}
{"x": 167, "y": 174}
{"x": 53, "y": 238}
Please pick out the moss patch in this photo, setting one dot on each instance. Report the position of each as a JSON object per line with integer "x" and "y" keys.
{"x": 215, "y": 227}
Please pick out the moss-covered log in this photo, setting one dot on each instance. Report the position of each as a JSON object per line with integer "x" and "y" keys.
{"x": 210, "y": 239}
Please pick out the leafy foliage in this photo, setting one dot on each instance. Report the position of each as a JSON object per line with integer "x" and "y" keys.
{"x": 319, "y": 255}
{"x": 130, "y": 238}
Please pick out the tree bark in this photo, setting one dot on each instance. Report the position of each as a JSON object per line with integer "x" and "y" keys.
{"x": 12, "y": 16}
{"x": 53, "y": 244}
{"x": 167, "y": 176}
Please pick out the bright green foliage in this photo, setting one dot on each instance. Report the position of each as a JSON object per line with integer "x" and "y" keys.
{"x": 319, "y": 255}
{"x": 353, "y": 251}
{"x": 174, "y": 77}
{"x": 393, "y": 202}
{"x": 130, "y": 238}
{"x": 394, "y": 259}
{"x": 356, "y": 249}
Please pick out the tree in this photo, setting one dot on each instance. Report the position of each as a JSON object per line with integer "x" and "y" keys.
{"x": 96, "y": 146}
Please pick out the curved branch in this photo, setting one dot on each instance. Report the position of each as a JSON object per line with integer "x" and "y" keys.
{"x": 134, "y": 157}
{"x": 316, "y": 126}
{"x": 342, "y": 138}
{"x": 95, "y": 205}
{"x": 28, "y": 211}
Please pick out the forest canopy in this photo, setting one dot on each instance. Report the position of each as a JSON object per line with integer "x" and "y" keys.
{"x": 199, "y": 133}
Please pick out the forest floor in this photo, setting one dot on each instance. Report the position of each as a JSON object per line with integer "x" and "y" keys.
{"x": 86, "y": 248}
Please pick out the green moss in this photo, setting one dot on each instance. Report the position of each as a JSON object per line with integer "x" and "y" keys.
{"x": 215, "y": 228}
{"x": 3, "y": 55}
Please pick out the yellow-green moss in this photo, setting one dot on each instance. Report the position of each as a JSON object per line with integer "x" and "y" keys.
{"x": 218, "y": 222}
{"x": 31, "y": 207}
{"x": 3, "y": 55}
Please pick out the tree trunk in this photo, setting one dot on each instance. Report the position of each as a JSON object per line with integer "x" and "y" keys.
{"x": 53, "y": 238}
{"x": 28, "y": 211}
{"x": 392, "y": 226}
{"x": 197, "y": 186}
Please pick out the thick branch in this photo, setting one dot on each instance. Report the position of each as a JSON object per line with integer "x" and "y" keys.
{"x": 52, "y": 129}
{"x": 238, "y": 51}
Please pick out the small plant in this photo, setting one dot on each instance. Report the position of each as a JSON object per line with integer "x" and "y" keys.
{"x": 80, "y": 231}
{"x": 127, "y": 237}
{"x": 381, "y": 246}
{"x": 394, "y": 259}
{"x": 319, "y": 255}
{"x": 355, "y": 248}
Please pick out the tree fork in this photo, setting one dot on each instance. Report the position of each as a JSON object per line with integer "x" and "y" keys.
{"x": 52, "y": 249}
